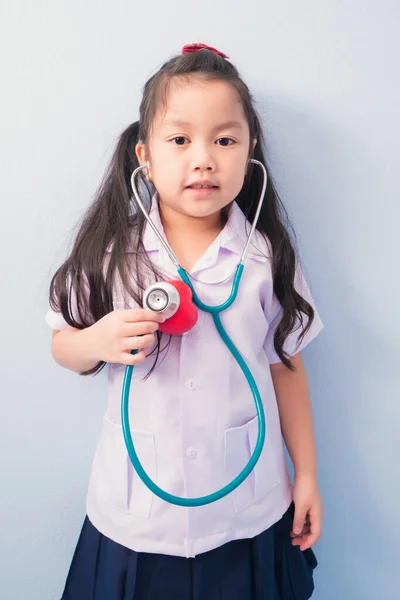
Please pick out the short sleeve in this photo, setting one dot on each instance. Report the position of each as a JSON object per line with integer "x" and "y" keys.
{"x": 55, "y": 320}
{"x": 274, "y": 312}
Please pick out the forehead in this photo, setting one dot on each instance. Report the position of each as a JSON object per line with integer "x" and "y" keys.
{"x": 195, "y": 99}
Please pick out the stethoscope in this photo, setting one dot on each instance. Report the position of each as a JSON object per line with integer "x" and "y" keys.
{"x": 165, "y": 297}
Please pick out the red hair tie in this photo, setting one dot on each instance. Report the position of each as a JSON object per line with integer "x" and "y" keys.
{"x": 197, "y": 46}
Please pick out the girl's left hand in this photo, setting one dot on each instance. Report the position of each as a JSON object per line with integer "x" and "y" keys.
{"x": 307, "y": 522}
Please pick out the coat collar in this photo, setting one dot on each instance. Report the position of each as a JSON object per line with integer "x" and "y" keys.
{"x": 233, "y": 236}
{"x": 219, "y": 262}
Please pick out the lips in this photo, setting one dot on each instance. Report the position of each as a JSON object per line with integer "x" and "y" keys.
{"x": 202, "y": 189}
{"x": 202, "y": 184}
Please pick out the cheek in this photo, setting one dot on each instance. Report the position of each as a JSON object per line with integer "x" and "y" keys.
{"x": 158, "y": 163}
{"x": 237, "y": 176}
{"x": 169, "y": 169}
{"x": 167, "y": 179}
{"x": 164, "y": 175}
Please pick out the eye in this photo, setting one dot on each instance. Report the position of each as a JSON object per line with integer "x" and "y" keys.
{"x": 179, "y": 141}
{"x": 225, "y": 141}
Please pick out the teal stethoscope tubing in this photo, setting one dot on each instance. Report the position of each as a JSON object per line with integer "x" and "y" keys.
{"x": 215, "y": 312}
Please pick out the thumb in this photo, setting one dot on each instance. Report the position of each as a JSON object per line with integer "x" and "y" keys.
{"x": 300, "y": 514}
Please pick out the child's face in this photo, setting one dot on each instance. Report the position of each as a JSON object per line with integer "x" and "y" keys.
{"x": 201, "y": 135}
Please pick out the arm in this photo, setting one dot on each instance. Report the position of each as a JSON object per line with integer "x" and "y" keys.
{"x": 71, "y": 348}
{"x": 110, "y": 339}
{"x": 291, "y": 389}
{"x": 294, "y": 407}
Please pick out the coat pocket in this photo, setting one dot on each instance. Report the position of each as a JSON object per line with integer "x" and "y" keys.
{"x": 240, "y": 443}
{"x": 118, "y": 483}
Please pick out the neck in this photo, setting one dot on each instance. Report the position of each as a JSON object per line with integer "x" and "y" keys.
{"x": 173, "y": 221}
{"x": 189, "y": 237}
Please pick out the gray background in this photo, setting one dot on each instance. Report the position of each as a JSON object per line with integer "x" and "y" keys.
{"x": 325, "y": 76}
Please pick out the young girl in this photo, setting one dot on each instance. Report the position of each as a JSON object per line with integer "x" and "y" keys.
{"x": 192, "y": 414}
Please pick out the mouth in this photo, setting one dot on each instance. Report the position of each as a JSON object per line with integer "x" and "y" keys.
{"x": 202, "y": 190}
{"x": 201, "y": 186}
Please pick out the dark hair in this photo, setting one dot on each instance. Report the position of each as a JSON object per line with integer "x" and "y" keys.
{"x": 89, "y": 272}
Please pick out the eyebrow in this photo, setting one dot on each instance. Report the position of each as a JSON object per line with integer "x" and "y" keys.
{"x": 226, "y": 125}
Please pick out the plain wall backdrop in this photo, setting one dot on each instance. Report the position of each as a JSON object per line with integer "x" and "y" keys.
{"x": 326, "y": 81}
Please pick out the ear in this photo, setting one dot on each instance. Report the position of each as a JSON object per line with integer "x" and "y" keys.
{"x": 254, "y": 144}
{"x": 140, "y": 150}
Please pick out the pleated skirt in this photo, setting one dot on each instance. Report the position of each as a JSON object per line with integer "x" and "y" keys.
{"x": 266, "y": 567}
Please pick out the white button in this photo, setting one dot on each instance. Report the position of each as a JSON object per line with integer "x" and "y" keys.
{"x": 191, "y": 384}
{"x": 191, "y": 453}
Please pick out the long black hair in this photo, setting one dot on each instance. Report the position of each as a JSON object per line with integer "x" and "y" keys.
{"x": 111, "y": 225}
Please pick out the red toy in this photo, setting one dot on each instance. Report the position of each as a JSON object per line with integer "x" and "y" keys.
{"x": 186, "y": 316}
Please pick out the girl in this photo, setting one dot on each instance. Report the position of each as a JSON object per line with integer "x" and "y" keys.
{"x": 192, "y": 414}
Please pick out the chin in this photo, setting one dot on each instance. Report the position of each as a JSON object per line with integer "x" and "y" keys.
{"x": 203, "y": 211}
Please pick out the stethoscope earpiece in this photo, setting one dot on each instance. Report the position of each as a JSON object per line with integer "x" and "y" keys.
{"x": 146, "y": 167}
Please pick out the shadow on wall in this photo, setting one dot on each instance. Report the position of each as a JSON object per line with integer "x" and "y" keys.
{"x": 330, "y": 188}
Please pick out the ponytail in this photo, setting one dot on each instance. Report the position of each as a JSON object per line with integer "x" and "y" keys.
{"x": 82, "y": 288}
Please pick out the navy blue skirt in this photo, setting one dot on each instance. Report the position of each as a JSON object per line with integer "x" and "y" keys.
{"x": 266, "y": 567}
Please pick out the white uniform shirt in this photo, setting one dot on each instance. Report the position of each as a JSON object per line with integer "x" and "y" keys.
{"x": 193, "y": 422}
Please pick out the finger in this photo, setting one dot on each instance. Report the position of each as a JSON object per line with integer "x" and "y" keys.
{"x": 140, "y": 328}
{"x": 307, "y": 540}
{"x": 306, "y": 529}
{"x": 315, "y": 532}
{"x": 296, "y": 541}
{"x": 127, "y": 358}
{"x": 299, "y": 540}
{"x": 142, "y": 314}
{"x": 138, "y": 342}
{"x": 315, "y": 521}
{"x": 300, "y": 514}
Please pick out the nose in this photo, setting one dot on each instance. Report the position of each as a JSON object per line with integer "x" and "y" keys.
{"x": 202, "y": 158}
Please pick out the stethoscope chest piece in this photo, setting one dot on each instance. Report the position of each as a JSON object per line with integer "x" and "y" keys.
{"x": 174, "y": 300}
{"x": 162, "y": 297}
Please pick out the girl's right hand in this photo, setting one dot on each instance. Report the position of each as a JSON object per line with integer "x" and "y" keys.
{"x": 114, "y": 336}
